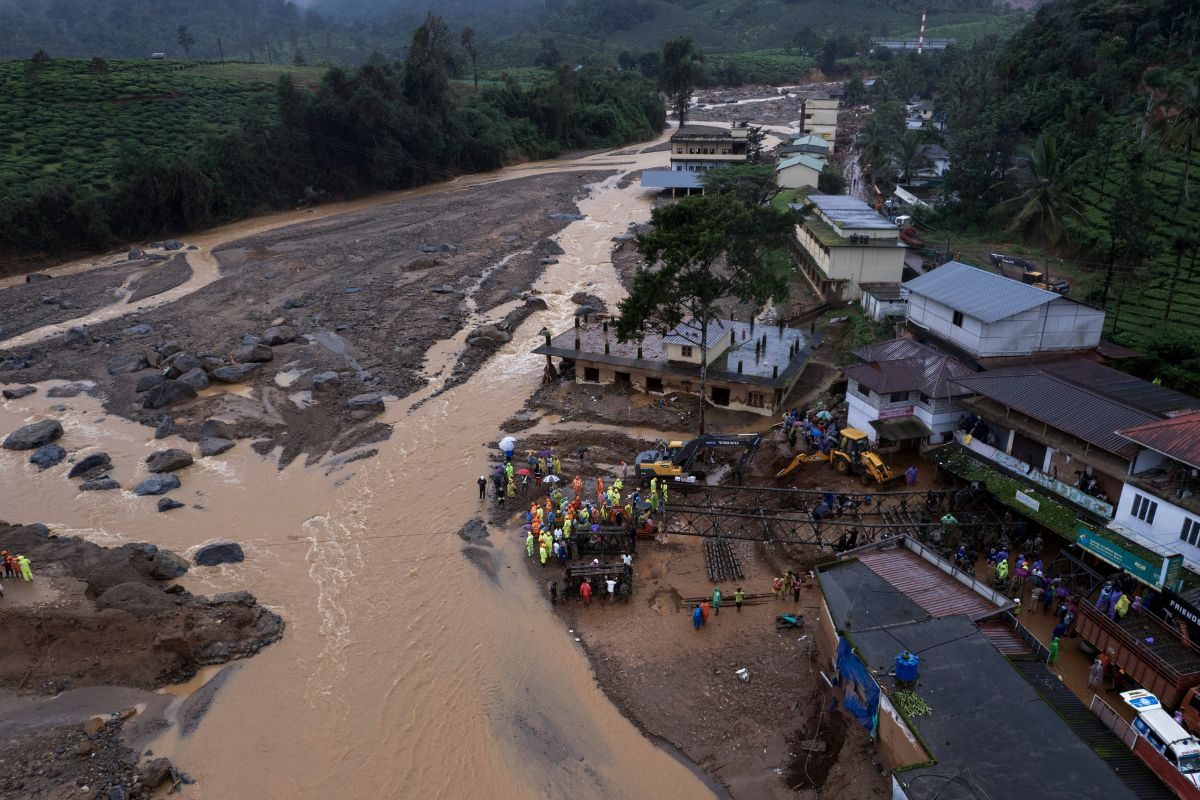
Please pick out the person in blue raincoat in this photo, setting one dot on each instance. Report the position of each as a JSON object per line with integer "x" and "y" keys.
{"x": 697, "y": 618}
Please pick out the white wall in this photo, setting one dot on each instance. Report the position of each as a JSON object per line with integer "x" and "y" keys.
{"x": 1060, "y": 324}
{"x": 877, "y": 309}
{"x": 1163, "y": 534}
{"x": 940, "y": 415}
{"x": 865, "y": 265}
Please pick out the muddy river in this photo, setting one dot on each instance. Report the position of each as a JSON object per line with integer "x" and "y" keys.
{"x": 405, "y": 670}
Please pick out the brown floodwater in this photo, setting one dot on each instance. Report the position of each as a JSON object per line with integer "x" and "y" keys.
{"x": 405, "y": 670}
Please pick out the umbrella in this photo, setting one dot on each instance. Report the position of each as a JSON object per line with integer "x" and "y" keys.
{"x": 523, "y": 472}
{"x": 545, "y": 453}
{"x": 551, "y": 479}
{"x": 825, "y": 415}
{"x": 508, "y": 443}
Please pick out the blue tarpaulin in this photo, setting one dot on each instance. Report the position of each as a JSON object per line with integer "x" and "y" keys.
{"x": 861, "y": 691}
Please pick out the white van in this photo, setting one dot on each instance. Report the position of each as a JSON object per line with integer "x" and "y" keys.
{"x": 1164, "y": 734}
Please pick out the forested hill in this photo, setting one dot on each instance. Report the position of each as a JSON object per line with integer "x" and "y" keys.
{"x": 349, "y": 31}
{"x": 1081, "y": 134}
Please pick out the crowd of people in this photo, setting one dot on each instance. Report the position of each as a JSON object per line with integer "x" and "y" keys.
{"x": 816, "y": 430}
{"x": 16, "y": 566}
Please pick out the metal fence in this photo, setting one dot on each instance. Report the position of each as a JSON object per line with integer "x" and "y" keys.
{"x": 1040, "y": 650}
{"x": 1113, "y": 721}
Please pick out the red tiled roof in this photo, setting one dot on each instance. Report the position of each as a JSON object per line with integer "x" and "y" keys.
{"x": 926, "y": 585}
{"x": 1177, "y": 437}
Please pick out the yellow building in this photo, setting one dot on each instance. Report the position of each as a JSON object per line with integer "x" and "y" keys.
{"x": 844, "y": 243}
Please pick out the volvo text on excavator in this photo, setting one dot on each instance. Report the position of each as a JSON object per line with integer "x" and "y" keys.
{"x": 676, "y": 459}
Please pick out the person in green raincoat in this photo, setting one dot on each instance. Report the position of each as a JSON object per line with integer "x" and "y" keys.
{"x": 717, "y": 600}
{"x": 1050, "y": 659}
{"x": 529, "y": 544}
{"x": 543, "y": 553}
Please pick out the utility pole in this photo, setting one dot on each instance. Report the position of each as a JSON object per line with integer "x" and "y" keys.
{"x": 270, "y": 58}
{"x": 921, "y": 38}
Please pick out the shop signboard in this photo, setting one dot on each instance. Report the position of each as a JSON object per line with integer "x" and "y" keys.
{"x": 1152, "y": 573}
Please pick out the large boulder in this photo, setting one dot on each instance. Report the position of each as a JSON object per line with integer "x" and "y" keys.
{"x": 68, "y": 390}
{"x": 442, "y": 247}
{"x": 91, "y": 466}
{"x": 167, "y": 394}
{"x": 366, "y": 404}
{"x": 167, "y": 504}
{"x": 141, "y": 329}
{"x": 168, "y": 460}
{"x": 78, "y": 334}
{"x": 37, "y": 277}
{"x": 31, "y": 437}
{"x": 210, "y": 555}
{"x": 165, "y": 565}
{"x": 490, "y": 336}
{"x": 326, "y": 381}
{"x": 181, "y": 363}
{"x": 253, "y": 354}
{"x": 18, "y": 393}
{"x": 157, "y": 484}
{"x": 217, "y": 427}
{"x": 165, "y": 427}
{"x": 47, "y": 456}
{"x": 126, "y": 363}
{"x": 148, "y": 382}
{"x": 196, "y": 378}
{"x": 104, "y": 484}
{"x": 278, "y": 334}
{"x": 536, "y": 303}
{"x": 214, "y": 446}
{"x": 233, "y": 374}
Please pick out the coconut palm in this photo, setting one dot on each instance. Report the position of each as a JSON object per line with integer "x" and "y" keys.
{"x": 1043, "y": 203}
{"x": 908, "y": 157}
{"x": 1178, "y": 124}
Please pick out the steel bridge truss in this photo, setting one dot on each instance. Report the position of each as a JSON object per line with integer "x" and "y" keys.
{"x": 790, "y": 516}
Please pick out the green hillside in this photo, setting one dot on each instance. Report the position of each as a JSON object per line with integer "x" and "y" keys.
{"x": 72, "y": 119}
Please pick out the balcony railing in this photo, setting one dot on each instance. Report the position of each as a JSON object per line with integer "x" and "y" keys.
{"x": 1026, "y": 471}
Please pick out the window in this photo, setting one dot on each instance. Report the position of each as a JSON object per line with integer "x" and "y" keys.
{"x": 1144, "y": 509}
{"x": 926, "y": 400}
{"x": 623, "y": 377}
{"x": 1190, "y": 532}
{"x": 898, "y": 397}
{"x": 958, "y": 319}
{"x": 654, "y": 384}
{"x": 591, "y": 374}
{"x": 685, "y": 351}
{"x": 756, "y": 400}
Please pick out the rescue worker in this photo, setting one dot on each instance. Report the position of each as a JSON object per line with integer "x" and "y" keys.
{"x": 717, "y": 600}
{"x": 697, "y": 618}
{"x": 6, "y": 562}
{"x": 26, "y": 572}
{"x": 1050, "y": 659}
{"x": 529, "y": 543}
{"x": 1002, "y": 570}
{"x": 585, "y": 591}
{"x": 738, "y": 597}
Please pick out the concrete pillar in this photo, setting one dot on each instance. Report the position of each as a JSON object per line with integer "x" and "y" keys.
{"x": 1046, "y": 461}
{"x": 1010, "y": 441}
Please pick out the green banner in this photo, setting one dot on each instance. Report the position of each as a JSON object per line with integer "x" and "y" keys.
{"x": 1145, "y": 571}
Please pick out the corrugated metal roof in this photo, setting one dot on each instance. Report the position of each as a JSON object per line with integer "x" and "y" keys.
{"x": 701, "y": 130}
{"x": 927, "y": 586}
{"x": 882, "y": 291}
{"x": 1178, "y": 437}
{"x": 1063, "y": 405}
{"x": 904, "y": 364}
{"x": 849, "y": 212}
{"x": 804, "y": 159}
{"x": 689, "y": 332}
{"x": 814, "y": 139}
{"x": 1123, "y": 387}
{"x": 978, "y": 293}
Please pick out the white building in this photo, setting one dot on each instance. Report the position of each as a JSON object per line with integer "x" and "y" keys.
{"x": 987, "y": 315}
{"x": 883, "y": 300}
{"x": 1160, "y": 502}
{"x": 821, "y": 117}
{"x": 904, "y": 391}
{"x": 845, "y": 243}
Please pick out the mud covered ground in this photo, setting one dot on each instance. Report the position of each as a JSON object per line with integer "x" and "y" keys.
{"x": 360, "y": 292}
{"x": 89, "y": 637}
{"x": 769, "y": 737}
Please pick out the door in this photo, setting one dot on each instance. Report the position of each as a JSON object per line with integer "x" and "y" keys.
{"x": 720, "y": 396}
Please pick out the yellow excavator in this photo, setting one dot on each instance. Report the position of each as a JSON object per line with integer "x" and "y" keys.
{"x": 852, "y": 456}
{"x": 677, "y": 458}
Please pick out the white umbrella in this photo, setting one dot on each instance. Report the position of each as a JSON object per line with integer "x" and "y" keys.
{"x": 551, "y": 479}
{"x": 508, "y": 443}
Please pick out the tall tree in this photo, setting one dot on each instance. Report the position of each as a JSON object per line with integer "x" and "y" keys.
{"x": 428, "y": 65}
{"x": 679, "y": 69}
{"x": 753, "y": 184}
{"x": 908, "y": 156}
{"x": 468, "y": 43}
{"x": 1045, "y": 199}
{"x": 1179, "y": 124}
{"x": 700, "y": 251}
{"x": 185, "y": 39}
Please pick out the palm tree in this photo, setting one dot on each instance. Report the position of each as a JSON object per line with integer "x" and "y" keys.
{"x": 908, "y": 157}
{"x": 1178, "y": 124}
{"x": 1043, "y": 204}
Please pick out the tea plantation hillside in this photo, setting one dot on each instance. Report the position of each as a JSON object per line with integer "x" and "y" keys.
{"x": 70, "y": 120}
